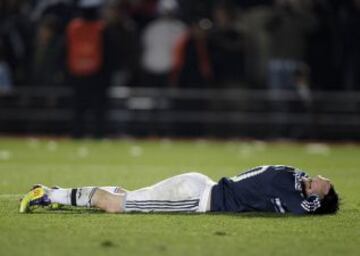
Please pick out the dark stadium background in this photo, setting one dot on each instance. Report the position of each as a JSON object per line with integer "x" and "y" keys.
{"x": 258, "y": 69}
{"x": 249, "y": 82}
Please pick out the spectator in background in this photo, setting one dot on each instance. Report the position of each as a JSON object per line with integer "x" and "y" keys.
{"x": 228, "y": 45}
{"x": 3, "y": 11}
{"x": 62, "y": 9}
{"x": 121, "y": 48}
{"x": 85, "y": 59}
{"x": 158, "y": 43}
{"x": 191, "y": 9}
{"x": 5, "y": 75}
{"x": 143, "y": 11}
{"x": 324, "y": 57}
{"x": 16, "y": 34}
{"x": 289, "y": 28}
{"x": 351, "y": 30}
{"x": 192, "y": 56}
{"x": 48, "y": 60}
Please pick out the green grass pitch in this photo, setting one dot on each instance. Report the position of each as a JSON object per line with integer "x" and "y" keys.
{"x": 136, "y": 163}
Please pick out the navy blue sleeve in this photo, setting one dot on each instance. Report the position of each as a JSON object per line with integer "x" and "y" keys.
{"x": 296, "y": 204}
{"x": 292, "y": 195}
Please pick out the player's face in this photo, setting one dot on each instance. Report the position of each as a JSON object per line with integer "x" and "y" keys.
{"x": 317, "y": 185}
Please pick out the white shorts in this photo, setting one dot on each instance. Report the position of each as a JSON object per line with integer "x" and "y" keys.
{"x": 189, "y": 192}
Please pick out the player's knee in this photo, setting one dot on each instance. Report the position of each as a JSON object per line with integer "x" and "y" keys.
{"x": 111, "y": 208}
{"x": 108, "y": 202}
{"x": 112, "y": 205}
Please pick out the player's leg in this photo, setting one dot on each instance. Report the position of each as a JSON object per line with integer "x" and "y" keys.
{"x": 189, "y": 192}
{"x": 107, "y": 201}
{"x": 64, "y": 195}
{"x": 43, "y": 196}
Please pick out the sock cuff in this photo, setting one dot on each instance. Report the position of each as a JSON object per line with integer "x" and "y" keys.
{"x": 73, "y": 196}
{"x": 82, "y": 196}
{"x": 91, "y": 195}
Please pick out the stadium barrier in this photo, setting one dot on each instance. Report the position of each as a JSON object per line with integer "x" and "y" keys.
{"x": 191, "y": 112}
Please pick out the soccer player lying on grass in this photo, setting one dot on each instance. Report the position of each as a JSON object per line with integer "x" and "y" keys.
{"x": 277, "y": 188}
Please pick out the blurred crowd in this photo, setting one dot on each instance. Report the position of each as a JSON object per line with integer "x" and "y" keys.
{"x": 275, "y": 44}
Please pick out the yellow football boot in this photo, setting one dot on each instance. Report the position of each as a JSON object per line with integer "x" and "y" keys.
{"x": 36, "y": 197}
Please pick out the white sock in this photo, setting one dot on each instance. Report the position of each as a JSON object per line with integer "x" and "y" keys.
{"x": 76, "y": 196}
{"x": 82, "y": 196}
{"x": 60, "y": 196}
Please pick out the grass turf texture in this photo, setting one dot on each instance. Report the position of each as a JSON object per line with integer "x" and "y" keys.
{"x": 133, "y": 164}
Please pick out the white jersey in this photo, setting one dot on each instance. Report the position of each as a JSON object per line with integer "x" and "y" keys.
{"x": 158, "y": 42}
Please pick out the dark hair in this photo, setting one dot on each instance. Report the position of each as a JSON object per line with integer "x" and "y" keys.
{"x": 330, "y": 203}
